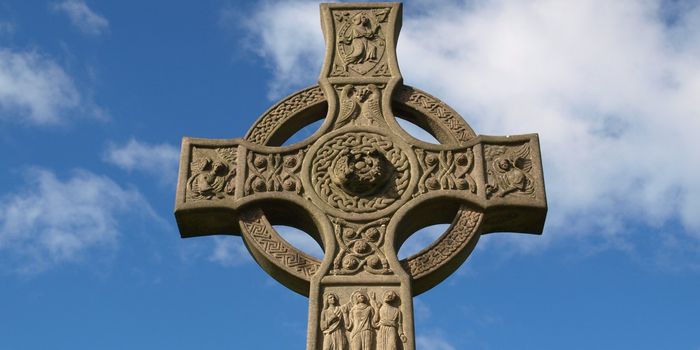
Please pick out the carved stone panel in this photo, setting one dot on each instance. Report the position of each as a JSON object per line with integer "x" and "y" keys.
{"x": 360, "y": 105}
{"x": 362, "y": 319}
{"x": 273, "y": 172}
{"x": 446, "y": 170}
{"x": 361, "y": 247}
{"x": 360, "y": 42}
{"x": 212, "y": 173}
{"x": 509, "y": 170}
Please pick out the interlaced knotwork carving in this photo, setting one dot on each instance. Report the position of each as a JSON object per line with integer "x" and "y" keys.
{"x": 276, "y": 116}
{"x": 212, "y": 173}
{"x": 327, "y": 156}
{"x": 361, "y": 247}
{"x": 262, "y": 234}
{"x": 273, "y": 172}
{"x": 446, "y": 170}
{"x": 436, "y": 108}
{"x": 444, "y": 249}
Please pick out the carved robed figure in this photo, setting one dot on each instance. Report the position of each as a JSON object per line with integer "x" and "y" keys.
{"x": 360, "y": 186}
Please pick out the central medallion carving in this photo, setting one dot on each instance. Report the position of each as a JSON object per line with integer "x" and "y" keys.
{"x": 359, "y": 172}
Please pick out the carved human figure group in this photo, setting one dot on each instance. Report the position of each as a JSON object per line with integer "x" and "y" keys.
{"x": 362, "y": 323}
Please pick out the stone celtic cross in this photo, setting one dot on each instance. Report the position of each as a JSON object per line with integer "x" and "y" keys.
{"x": 360, "y": 186}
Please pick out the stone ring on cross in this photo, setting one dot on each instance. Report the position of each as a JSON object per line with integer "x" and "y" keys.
{"x": 360, "y": 186}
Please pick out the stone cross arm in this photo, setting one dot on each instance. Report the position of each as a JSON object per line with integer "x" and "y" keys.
{"x": 499, "y": 175}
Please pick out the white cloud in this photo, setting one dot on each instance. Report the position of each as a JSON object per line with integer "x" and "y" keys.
{"x": 229, "y": 251}
{"x": 82, "y": 16}
{"x": 611, "y": 87}
{"x": 293, "y": 60}
{"x": 433, "y": 341}
{"x": 34, "y": 88}
{"x": 157, "y": 159}
{"x": 52, "y": 221}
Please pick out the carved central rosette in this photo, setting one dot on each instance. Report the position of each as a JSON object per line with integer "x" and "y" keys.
{"x": 359, "y": 172}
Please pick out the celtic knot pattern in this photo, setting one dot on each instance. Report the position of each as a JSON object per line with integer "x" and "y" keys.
{"x": 444, "y": 249}
{"x": 446, "y": 170}
{"x": 273, "y": 173}
{"x": 436, "y": 108}
{"x": 277, "y": 115}
{"x": 361, "y": 247}
{"x": 327, "y": 156}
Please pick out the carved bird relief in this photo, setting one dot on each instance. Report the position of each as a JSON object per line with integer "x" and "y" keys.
{"x": 372, "y": 106}
{"x": 349, "y": 106}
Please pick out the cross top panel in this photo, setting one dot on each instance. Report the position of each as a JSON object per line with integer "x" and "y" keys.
{"x": 360, "y": 186}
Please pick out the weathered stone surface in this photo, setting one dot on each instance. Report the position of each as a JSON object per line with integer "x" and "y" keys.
{"x": 360, "y": 186}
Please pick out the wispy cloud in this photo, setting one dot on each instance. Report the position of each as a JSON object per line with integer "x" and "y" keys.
{"x": 229, "y": 251}
{"x": 159, "y": 159}
{"x": 52, "y": 221}
{"x": 433, "y": 341}
{"x": 610, "y": 87}
{"x": 34, "y": 89}
{"x": 82, "y": 16}
{"x": 292, "y": 60}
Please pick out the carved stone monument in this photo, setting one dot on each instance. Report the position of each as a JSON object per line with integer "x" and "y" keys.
{"x": 360, "y": 186}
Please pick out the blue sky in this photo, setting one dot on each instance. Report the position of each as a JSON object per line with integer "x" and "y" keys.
{"x": 96, "y": 95}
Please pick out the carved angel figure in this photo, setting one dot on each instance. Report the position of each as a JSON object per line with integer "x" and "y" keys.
{"x": 390, "y": 322}
{"x": 361, "y": 41}
{"x": 511, "y": 171}
{"x": 213, "y": 179}
{"x": 362, "y": 321}
{"x": 333, "y": 319}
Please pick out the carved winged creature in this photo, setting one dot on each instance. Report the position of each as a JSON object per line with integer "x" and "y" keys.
{"x": 349, "y": 107}
{"x": 371, "y": 107}
{"x": 512, "y": 173}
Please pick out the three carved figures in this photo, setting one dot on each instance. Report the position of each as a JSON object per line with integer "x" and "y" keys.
{"x": 362, "y": 323}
